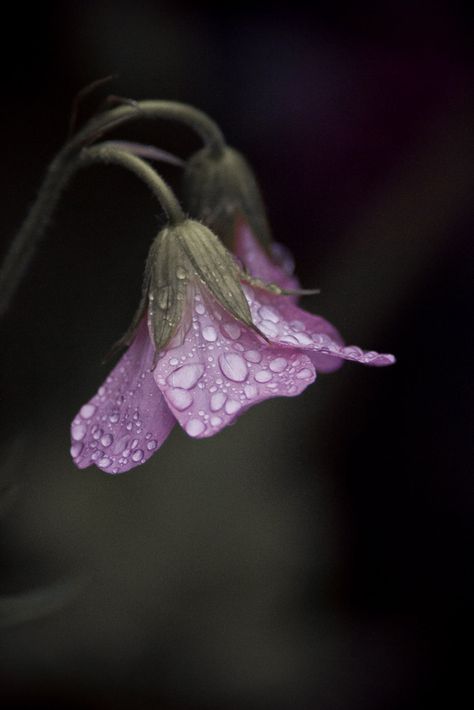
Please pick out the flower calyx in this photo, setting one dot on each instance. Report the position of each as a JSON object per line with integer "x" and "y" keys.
{"x": 185, "y": 258}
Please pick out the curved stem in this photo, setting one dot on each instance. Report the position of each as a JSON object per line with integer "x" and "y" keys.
{"x": 200, "y": 122}
{"x": 66, "y": 163}
{"x": 109, "y": 154}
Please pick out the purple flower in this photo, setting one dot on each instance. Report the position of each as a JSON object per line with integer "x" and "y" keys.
{"x": 215, "y": 366}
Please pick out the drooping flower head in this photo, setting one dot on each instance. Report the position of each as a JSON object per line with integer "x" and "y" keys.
{"x": 209, "y": 341}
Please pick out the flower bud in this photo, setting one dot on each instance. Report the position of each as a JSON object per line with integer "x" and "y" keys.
{"x": 219, "y": 189}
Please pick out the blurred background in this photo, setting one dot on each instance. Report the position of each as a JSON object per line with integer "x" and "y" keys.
{"x": 318, "y": 553}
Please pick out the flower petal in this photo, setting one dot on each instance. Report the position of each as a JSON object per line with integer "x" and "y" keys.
{"x": 283, "y": 323}
{"x": 128, "y": 419}
{"x": 221, "y": 368}
{"x": 258, "y": 264}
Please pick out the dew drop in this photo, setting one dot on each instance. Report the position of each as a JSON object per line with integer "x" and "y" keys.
{"x": 217, "y": 401}
{"x": 195, "y": 427}
{"x": 179, "y": 398}
{"x": 278, "y": 365}
{"x": 97, "y": 434}
{"x": 87, "y": 411}
{"x": 137, "y": 455}
{"x": 78, "y": 432}
{"x": 76, "y": 450}
{"x": 253, "y": 356}
{"x": 232, "y": 406}
{"x": 113, "y": 419}
{"x": 215, "y": 421}
{"x": 181, "y": 273}
{"x": 186, "y": 376}
{"x": 200, "y": 309}
{"x": 263, "y": 376}
{"x": 174, "y": 361}
{"x": 304, "y": 374}
{"x": 297, "y": 325}
{"x": 250, "y": 391}
{"x": 209, "y": 333}
{"x": 352, "y": 351}
{"x": 106, "y": 440}
{"x": 151, "y": 446}
{"x": 232, "y": 330}
{"x": 129, "y": 426}
{"x": 134, "y": 444}
{"x": 268, "y": 328}
{"x": 303, "y": 339}
{"x": 267, "y": 313}
{"x": 104, "y": 462}
{"x": 233, "y": 366}
{"x": 120, "y": 444}
{"x": 290, "y": 339}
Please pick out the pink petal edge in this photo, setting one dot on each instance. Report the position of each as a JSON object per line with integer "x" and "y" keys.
{"x": 128, "y": 419}
{"x": 257, "y": 263}
{"x": 285, "y": 324}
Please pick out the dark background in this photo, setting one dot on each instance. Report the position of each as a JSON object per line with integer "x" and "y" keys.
{"x": 318, "y": 553}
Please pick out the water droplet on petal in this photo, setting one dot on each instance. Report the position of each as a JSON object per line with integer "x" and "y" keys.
{"x": 268, "y": 328}
{"x": 120, "y": 444}
{"x": 304, "y": 374}
{"x": 78, "y": 432}
{"x": 134, "y": 444}
{"x": 217, "y": 401}
{"x": 250, "y": 391}
{"x": 181, "y": 399}
{"x": 263, "y": 376}
{"x": 253, "y": 356}
{"x": 151, "y": 446}
{"x": 96, "y": 434}
{"x": 186, "y": 376}
{"x": 113, "y": 419}
{"x": 106, "y": 440}
{"x": 104, "y": 462}
{"x": 233, "y": 366}
{"x": 231, "y": 330}
{"x": 267, "y": 313}
{"x": 278, "y": 365}
{"x": 215, "y": 421}
{"x": 289, "y": 339}
{"x": 200, "y": 309}
{"x": 232, "y": 406}
{"x": 209, "y": 333}
{"x": 180, "y": 273}
{"x": 137, "y": 455}
{"x": 87, "y": 411}
{"x": 195, "y": 427}
{"x": 303, "y": 339}
{"x": 352, "y": 351}
{"x": 76, "y": 450}
{"x": 297, "y": 325}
